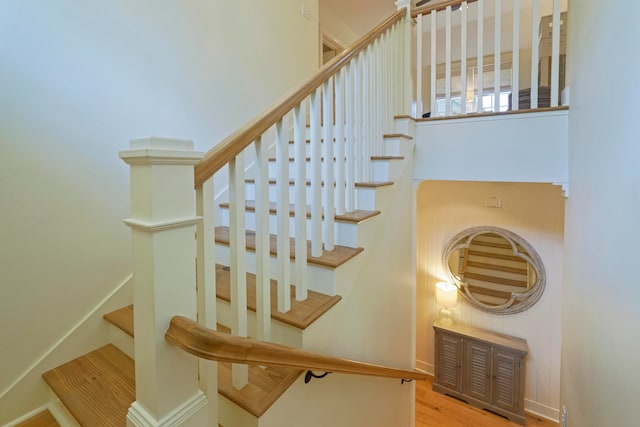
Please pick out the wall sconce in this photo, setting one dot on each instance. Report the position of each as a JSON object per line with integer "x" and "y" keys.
{"x": 447, "y": 298}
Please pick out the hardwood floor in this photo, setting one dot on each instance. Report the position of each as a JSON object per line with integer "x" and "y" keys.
{"x": 437, "y": 410}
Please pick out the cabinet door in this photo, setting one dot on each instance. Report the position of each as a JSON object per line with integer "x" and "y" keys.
{"x": 506, "y": 371}
{"x": 448, "y": 361}
{"x": 477, "y": 375}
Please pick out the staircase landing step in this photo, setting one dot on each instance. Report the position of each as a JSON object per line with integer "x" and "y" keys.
{"x": 122, "y": 318}
{"x": 302, "y": 313}
{"x": 331, "y": 259}
{"x": 354, "y": 217}
{"x": 97, "y": 388}
{"x": 265, "y": 385}
{"x": 43, "y": 419}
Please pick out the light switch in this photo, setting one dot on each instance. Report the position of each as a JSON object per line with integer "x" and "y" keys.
{"x": 493, "y": 202}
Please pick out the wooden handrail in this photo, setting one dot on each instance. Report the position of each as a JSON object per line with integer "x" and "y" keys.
{"x": 209, "y": 344}
{"x": 233, "y": 145}
{"x": 426, "y": 9}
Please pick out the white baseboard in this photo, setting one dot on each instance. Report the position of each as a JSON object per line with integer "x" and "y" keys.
{"x": 192, "y": 413}
{"x": 26, "y": 416}
{"x": 425, "y": 367}
{"x": 542, "y": 411}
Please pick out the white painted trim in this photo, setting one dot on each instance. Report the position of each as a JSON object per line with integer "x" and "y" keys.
{"x": 153, "y": 227}
{"x": 27, "y": 416}
{"x": 138, "y": 416}
{"x": 542, "y": 411}
{"x": 425, "y": 367}
{"x": 61, "y": 413}
{"x": 65, "y": 336}
{"x": 150, "y": 156}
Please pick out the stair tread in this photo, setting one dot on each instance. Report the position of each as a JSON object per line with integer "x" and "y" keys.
{"x": 302, "y": 313}
{"x": 42, "y": 419}
{"x": 387, "y": 157}
{"x": 356, "y": 216}
{"x": 265, "y": 385}
{"x": 97, "y": 388}
{"x": 397, "y": 135}
{"x": 308, "y": 183}
{"x": 330, "y": 259}
{"x": 308, "y": 159}
{"x": 122, "y": 318}
{"x": 374, "y": 184}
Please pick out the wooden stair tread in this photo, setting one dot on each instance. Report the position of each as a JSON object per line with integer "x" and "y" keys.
{"x": 355, "y": 216}
{"x": 302, "y": 313}
{"x": 387, "y": 157}
{"x": 43, "y": 419}
{"x": 122, "y": 318}
{"x": 308, "y": 183}
{"x": 265, "y": 385}
{"x": 330, "y": 259}
{"x": 97, "y": 388}
{"x": 397, "y": 135}
{"x": 373, "y": 184}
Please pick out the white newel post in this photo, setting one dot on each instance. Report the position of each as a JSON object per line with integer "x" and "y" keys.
{"x": 162, "y": 222}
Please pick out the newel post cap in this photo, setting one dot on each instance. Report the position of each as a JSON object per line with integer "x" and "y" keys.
{"x": 156, "y": 150}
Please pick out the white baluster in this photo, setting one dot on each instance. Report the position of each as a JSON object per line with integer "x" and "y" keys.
{"x": 535, "y": 33}
{"x": 463, "y": 58}
{"x": 316, "y": 175}
{"x": 365, "y": 143}
{"x": 327, "y": 199}
{"x": 263, "y": 251}
{"x": 300, "y": 156}
{"x": 480, "y": 61}
{"x": 350, "y": 202}
{"x": 434, "y": 60}
{"x": 419, "y": 38}
{"x": 515, "y": 74}
{"x": 555, "y": 54}
{"x": 447, "y": 62}
{"x": 284, "y": 244}
{"x": 237, "y": 248}
{"x": 339, "y": 137}
{"x": 496, "y": 55}
{"x": 359, "y": 116}
{"x": 206, "y": 287}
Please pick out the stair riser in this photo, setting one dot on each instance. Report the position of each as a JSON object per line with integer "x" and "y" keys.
{"x": 319, "y": 278}
{"x": 281, "y": 333}
{"x": 346, "y": 233}
{"x": 363, "y": 201}
{"x": 398, "y": 146}
{"x": 380, "y": 169}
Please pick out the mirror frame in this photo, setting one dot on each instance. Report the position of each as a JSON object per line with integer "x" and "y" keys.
{"x": 519, "y": 301}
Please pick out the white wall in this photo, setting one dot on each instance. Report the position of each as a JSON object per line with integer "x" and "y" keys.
{"x": 533, "y": 211}
{"x": 79, "y": 80}
{"x": 346, "y": 21}
{"x": 513, "y": 147}
{"x": 601, "y": 314}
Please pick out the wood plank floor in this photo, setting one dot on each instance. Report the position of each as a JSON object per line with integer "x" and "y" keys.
{"x": 437, "y": 410}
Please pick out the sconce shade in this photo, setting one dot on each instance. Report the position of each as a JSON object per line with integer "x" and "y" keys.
{"x": 446, "y": 294}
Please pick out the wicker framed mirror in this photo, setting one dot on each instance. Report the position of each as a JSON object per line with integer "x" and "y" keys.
{"x": 495, "y": 270}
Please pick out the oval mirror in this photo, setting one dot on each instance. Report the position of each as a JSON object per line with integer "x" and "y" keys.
{"x": 494, "y": 269}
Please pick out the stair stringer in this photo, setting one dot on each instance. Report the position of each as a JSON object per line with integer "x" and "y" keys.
{"x": 374, "y": 322}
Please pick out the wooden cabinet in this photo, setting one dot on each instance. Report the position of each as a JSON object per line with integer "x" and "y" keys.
{"x": 483, "y": 368}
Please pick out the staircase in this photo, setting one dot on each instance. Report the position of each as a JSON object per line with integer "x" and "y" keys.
{"x": 99, "y": 387}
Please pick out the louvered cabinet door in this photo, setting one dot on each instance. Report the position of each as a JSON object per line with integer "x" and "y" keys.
{"x": 507, "y": 378}
{"x": 477, "y": 372}
{"x": 448, "y": 361}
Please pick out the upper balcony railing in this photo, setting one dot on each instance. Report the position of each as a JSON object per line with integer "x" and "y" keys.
{"x": 481, "y": 56}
